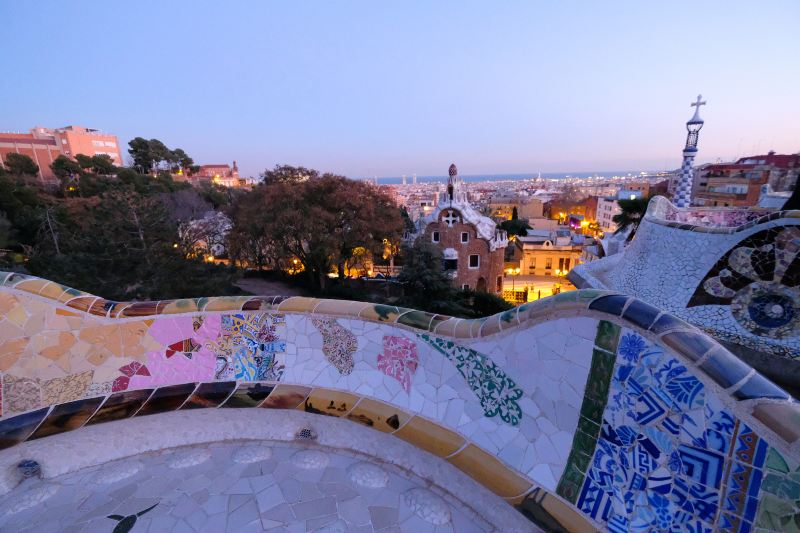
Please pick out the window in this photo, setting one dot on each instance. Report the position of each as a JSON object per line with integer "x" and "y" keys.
{"x": 548, "y": 263}
{"x": 561, "y": 263}
{"x": 474, "y": 261}
{"x": 465, "y": 287}
{"x": 435, "y": 236}
{"x": 566, "y": 264}
{"x": 451, "y": 264}
{"x": 499, "y": 283}
{"x": 464, "y": 236}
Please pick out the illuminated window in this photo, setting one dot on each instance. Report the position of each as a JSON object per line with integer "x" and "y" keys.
{"x": 548, "y": 263}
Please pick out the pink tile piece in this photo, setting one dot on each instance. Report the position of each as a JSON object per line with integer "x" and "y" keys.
{"x": 399, "y": 359}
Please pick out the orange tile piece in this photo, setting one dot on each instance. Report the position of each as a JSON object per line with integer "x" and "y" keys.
{"x": 490, "y": 472}
{"x": 329, "y": 402}
{"x": 430, "y": 436}
{"x": 378, "y": 415}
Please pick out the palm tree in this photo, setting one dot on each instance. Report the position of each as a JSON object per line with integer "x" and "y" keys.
{"x": 632, "y": 213}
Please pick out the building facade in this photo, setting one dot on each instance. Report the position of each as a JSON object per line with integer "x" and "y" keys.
{"x": 221, "y": 174}
{"x": 472, "y": 246}
{"x": 546, "y": 253}
{"x": 44, "y": 145}
{"x": 739, "y": 184}
{"x": 42, "y": 151}
{"x": 607, "y": 209}
{"x": 527, "y": 208}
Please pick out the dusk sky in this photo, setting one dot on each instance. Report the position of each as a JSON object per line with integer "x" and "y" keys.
{"x": 391, "y": 88}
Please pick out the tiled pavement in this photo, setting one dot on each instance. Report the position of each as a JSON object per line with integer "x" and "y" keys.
{"x": 214, "y": 488}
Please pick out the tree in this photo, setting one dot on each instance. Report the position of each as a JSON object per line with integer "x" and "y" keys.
{"x": 318, "y": 220}
{"x": 631, "y": 216}
{"x": 64, "y": 167}
{"x": 121, "y": 246}
{"x": 185, "y": 205}
{"x": 288, "y": 174}
{"x": 151, "y": 155}
{"x": 184, "y": 161}
{"x": 103, "y": 164}
{"x": 84, "y": 161}
{"x": 21, "y": 165}
{"x": 140, "y": 153}
{"x": 422, "y": 276}
{"x": 514, "y": 214}
{"x": 515, "y": 227}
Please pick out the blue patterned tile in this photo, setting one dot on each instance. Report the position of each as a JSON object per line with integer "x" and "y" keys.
{"x": 702, "y": 466}
{"x": 594, "y": 501}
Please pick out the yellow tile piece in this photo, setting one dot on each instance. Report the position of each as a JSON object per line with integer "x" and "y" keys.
{"x": 329, "y": 402}
{"x": 17, "y": 316}
{"x": 51, "y": 290}
{"x": 491, "y": 326}
{"x": 55, "y": 344}
{"x": 32, "y": 286}
{"x": 185, "y": 305}
{"x": 490, "y": 472}
{"x": 225, "y": 303}
{"x": 462, "y": 329}
{"x": 286, "y": 397}
{"x": 339, "y": 308}
{"x": 381, "y": 313}
{"x": 298, "y": 304}
{"x": 430, "y": 436}
{"x": 378, "y": 415}
{"x": 7, "y": 303}
{"x": 448, "y": 327}
{"x": 10, "y": 352}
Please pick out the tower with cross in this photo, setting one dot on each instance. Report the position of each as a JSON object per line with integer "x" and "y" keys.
{"x": 683, "y": 191}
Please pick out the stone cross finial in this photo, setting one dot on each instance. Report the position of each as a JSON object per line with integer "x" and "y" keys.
{"x": 699, "y": 102}
{"x": 450, "y": 219}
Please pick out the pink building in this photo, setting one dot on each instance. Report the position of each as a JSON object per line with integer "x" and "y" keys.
{"x": 44, "y": 145}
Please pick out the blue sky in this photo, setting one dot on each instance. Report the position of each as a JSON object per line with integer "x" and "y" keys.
{"x": 389, "y": 88}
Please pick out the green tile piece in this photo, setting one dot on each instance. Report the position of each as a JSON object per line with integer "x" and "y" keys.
{"x": 592, "y": 409}
{"x": 775, "y": 461}
{"x": 607, "y": 336}
{"x": 587, "y": 426}
{"x": 579, "y": 460}
{"x": 584, "y": 443}
{"x": 594, "y": 402}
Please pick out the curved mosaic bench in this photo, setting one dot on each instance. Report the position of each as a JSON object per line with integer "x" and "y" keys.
{"x": 738, "y": 280}
{"x": 585, "y": 410}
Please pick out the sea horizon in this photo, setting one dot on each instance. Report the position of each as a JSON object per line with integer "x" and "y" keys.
{"x": 397, "y": 180}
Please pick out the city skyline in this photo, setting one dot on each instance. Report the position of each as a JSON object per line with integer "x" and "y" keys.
{"x": 367, "y": 90}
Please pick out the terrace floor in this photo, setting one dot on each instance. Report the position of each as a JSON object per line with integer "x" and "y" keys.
{"x": 238, "y": 486}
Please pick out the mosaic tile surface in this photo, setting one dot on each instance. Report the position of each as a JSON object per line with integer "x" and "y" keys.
{"x": 221, "y": 494}
{"x": 496, "y": 391}
{"x": 734, "y": 273}
{"x": 669, "y": 455}
{"x": 562, "y": 413}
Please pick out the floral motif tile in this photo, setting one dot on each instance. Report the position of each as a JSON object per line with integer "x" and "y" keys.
{"x": 399, "y": 359}
{"x": 249, "y": 347}
{"x": 496, "y": 391}
{"x": 338, "y": 344}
